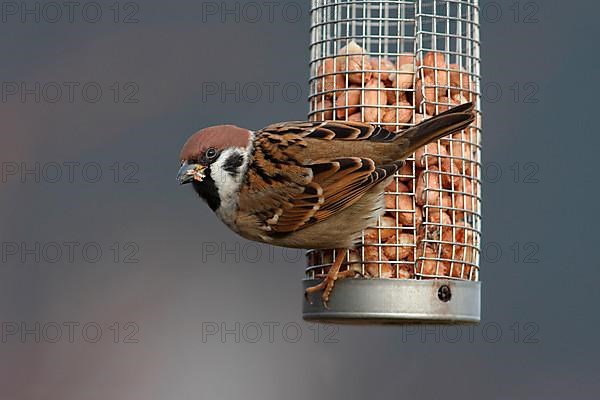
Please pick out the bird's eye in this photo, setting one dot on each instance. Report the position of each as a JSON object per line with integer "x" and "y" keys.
{"x": 211, "y": 153}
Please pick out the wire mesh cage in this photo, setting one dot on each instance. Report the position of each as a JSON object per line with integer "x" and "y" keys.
{"x": 396, "y": 63}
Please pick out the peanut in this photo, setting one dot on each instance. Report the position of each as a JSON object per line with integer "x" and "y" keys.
{"x": 419, "y": 118}
{"x": 462, "y": 154}
{"x": 435, "y": 60}
{"x": 347, "y": 102}
{"x": 450, "y": 175}
{"x": 396, "y": 187}
{"x": 425, "y": 94}
{"x": 387, "y": 228}
{"x": 400, "y": 114}
{"x": 463, "y": 253}
{"x": 390, "y": 201}
{"x": 430, "y": 154}
{"x": 325, "y": 108}
{"x": 430, "y": 267}
{"x": 406, "y": 172}
{"x": 355, "y": 63}
{"x": 444, "y": 104}
{"x": 405, "y": 273}
{"x": 401, "y": 247}
{"x": 374, "y": 97}
{"x": 439, "y": 230}
{"x": 407, "y": 214}
{"x": 378, "y": 266}
{"x": 384, "y": 65}
{"x": 357, "y": 117}
{"x": 406, "y": 59}
{"x": 331, "y": 80}
{"x": 428, "y": 188}
{"x": 434, "y": 67}
{"x": 402, "y": 81}
{"x": 459, "y": 82}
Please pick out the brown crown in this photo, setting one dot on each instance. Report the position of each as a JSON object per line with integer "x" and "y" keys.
{"x": 218, "y": 137}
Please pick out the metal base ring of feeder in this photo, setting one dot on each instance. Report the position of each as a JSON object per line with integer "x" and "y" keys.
{"x": 355, "y": 301}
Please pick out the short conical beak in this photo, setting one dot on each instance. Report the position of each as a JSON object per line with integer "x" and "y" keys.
{"x": 190, "y": 172}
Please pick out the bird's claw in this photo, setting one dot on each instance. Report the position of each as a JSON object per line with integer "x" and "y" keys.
{"x": 316, "y": 288}
{"x": 307, "y": 297}
{"x": 326, "y": 285}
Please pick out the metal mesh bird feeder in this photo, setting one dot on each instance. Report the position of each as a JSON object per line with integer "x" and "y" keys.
{"x": 396, "y": 63}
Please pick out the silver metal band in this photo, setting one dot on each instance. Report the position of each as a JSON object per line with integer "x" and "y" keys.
{"x": 397, "y": 301}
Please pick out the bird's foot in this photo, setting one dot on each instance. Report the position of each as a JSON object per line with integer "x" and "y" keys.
{"x": 329, "y": 281}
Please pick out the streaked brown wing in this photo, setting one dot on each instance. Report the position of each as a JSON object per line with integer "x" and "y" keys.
{"x": 287, "y": 194}
{"x": 336, "y": 139}
{"x": 332, "y": 130}
{"x": 345, "y": 180}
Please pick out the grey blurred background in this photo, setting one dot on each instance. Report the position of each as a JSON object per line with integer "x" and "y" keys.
{"x": 158, "y": 300}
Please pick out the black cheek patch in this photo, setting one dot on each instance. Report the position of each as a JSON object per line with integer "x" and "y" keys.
{"x": 233, "y": 163}
{"x": 208, "y": 191}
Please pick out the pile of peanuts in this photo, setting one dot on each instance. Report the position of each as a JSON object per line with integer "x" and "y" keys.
{"x": 427, "y": 229}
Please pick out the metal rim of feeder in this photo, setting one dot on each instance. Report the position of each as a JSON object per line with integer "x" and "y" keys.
{"x": 388, "y": 29}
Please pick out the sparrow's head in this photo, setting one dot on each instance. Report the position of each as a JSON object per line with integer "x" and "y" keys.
{"x": 213, "y": 160}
